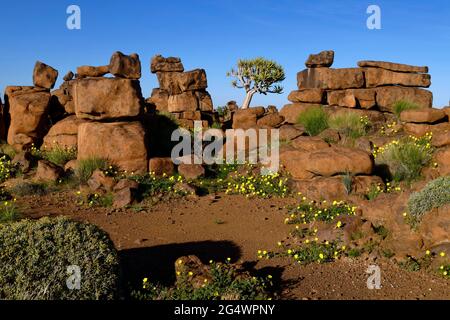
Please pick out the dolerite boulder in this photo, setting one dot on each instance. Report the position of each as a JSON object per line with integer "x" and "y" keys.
{"x": 48, "y": 171}
{"x": 91, "y": 71}
{"x": 44, "y": 76}
{"x": 186, "y": 101}
{"x": 376, "y": 77}
{"x": 388, "y": 96}
{"x": 124, "y": 66}
{"x": 170, "y": 64}
{"x": 353, "y": 98}
{"x": 161, "y": 166}
{"x": 179, "y": 82}
{"x": 205, "y": 103}
{"x": 399, "y": 67}
{"x": 307, "y": 95}
{"x": 247, "y": 118}
{"x": 159, "y": 99}
{"x": 62, "y": 98}
{"x": 291, "y": 112}
{"x": 28, "y": 109}
{"x": 330, "y": 79}
{"x": 107, "y": 98}
{"x": 322, "y": 59}
{"x": 422, "y": 115}
{"x": 63, "y": 134}
{"x": 122, "y": 143}
{"x": 326, "y": 162}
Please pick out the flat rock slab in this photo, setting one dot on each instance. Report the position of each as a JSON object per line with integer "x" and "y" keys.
{"x": 330, "y": 79}
{"x": 388, "y": 96}
{"x": 307, "y": 95}
{"x": 322, "y": 59}
{"x": 352, "y": 98}
{"x": 376, "y": 77}
{"x": 422, "y": 116}
{"x": 399, "y": 67}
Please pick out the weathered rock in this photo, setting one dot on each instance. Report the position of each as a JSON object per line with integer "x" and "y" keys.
{"x": 23, "y": 160}
{"x": 103, "y": 98}
{"x": 247, "y": 118}
{"x": 91, "y": 71}
{"x": 388, "y": 96}
{"x": 447, "y": 112}
{"x": 100, "y": 181}
{"x": 289, "y": 132}
{"x": 330, "y": 79}
{"x": 186, "y": 101}
{"x": 71, "y": 166}
{"x": 191, "y": 115}
{"x": 179, "y": 82}
{"x": 28, "y": 108}
{"x": 4, "y": 114}
{"x": 330, "y": 135}
{"x": 422, "y": 115}
{"x": 44, "y": 76}
{"x": 442, "y": 158}
{"x": 376, "y": 77}
{"x": 63, "y": 134}
{"x": 306, "y": 143}
{"x": 204, "y": 101}
{"x": 69, "y": 76}
{"x": 419, "y": 129}
{"x": 160, "y": 99}
{"x": 307, "y": 95}
{"x": 291, "y": 112}
{"x": 353, "y": 98}
{"x": 161, "y": 166}
{"x": 191, "y": 171}
{"x": 270, "y": 120}
{"x": 124, "y": 66}
{"x": 126, "y": 184}
{"x": 123, "y": 198}
{"x": 434, "y": 227}
{"x": 47, "y": 171}
{"x": 393, "y": 66}
{"x": 170, "y": 64}
{"x": 326, "y": 162}
{"x": 441, "y": 138}
{"x": 322, "y": 59}
{"x": 122, "y": 143}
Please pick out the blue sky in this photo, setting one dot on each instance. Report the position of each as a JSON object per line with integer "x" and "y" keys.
{"x": 213, "y": 34}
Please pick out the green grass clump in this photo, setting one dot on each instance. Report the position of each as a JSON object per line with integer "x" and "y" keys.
{"x": 403, "y": 105}
{"x": 350, "y": 124}
{"x": 435, "y": 194}
{"x": 59, "y": 155}
{"x": 315, "y": 120}
{"x": 8, "y": 212}
{"x": 86, "y": 167}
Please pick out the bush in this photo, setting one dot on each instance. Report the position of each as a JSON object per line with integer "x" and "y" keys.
{"x": 7, "y": 169}
{"x": 435, "y": 194}
{"x": 315, "y": 120}
{"x": 403, "y": 105}
{"x": 349, "y": 124}
{"x": 86, "y": 167}
{"x": 30, "y": 189}
{"x": 8, "y": 212}
{"x": 405, "y": 158}
{"x": 35, "y": 256}
{"x": 60, "y": 156}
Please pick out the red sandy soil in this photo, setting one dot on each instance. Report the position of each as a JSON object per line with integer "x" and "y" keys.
{"x": 150, "y": 239}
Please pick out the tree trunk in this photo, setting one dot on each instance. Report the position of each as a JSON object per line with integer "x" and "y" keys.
{"x": 248, "y": 99}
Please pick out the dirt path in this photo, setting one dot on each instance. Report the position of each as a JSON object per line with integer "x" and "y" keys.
{"x": 151, "y": 239}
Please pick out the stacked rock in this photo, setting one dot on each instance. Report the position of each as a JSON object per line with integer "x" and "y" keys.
{"x": 183, "y": 94}
{"x": 28, "y": 108}
{"x": 375, "y": 85}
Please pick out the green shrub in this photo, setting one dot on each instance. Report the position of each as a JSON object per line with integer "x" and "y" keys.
{"x": 349, "y": 124}
{"x": 7, "y": 149}
{"x": 315, "y": 120}
{"x": 8, "y": 212}
{"x": 403, "y": 105}
{"x": 405, "y": 158}
{"x": 35, "y": 257}
{"x": 30, "y": 189}
{"x": 86, "y": 167}
{"x": 59, "y": 155}
{"x": 7, "y": 169}
{"x": 435, "y": 194}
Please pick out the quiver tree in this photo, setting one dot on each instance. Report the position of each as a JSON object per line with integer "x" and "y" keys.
{"x": 257, "y": 76}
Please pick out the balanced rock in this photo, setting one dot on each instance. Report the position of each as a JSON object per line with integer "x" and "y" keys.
{"x": 322, "y": 59}
{"x": 107, "y": 98}
{"x": 63, "y": 134}
{"x": 69, "y": 76}
{"x": 170, "y": 64}
{"x": 124, "y": 66}
{"x": 178, "y": 82}
{"x": 44, "y": 76}
{"x": 330, "y": 79}
{"x": 398, "y": 67}
{"x": 422, "y": 115}
{"x": 307, "y": 95}
{"x": 122, "y": 143}
{"x": 91, "y": 71}
{"x": 28, "y": 109}
{"x": 376, "y": 77}
{"x": 388, "y": 96}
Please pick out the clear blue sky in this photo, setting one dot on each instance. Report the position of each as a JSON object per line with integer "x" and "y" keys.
{"x": 213, "y": 34}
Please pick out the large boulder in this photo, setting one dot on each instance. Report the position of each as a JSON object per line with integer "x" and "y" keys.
{"x": 307, "y": 143}
{"x": 161, "y": 166}
{"x": 376, "y": 77}
{"x": 204, "y": 101}
{"x": 106, "y": 98}
{"x": 353, "y": 98}
{"x": 388, "y": 96}
{"x": 442, "y": 158}
{"x": 322, "y": 59}
{"x": 63, "y": 134}
{"x": 170, "y": 64}
{"x": 422, "y": 115}
{"x": 124, "y": 66}
{"x": 91, "y": 71}
{"x": 48, "y": 171}
{"x": 420, "y": 129}
{"x": 247, "y": 118}
{"x": 122, "y": 143}
{"x": 291, "y": 112}
{"x": 270, "y": 120}
{"x": 186, "y": 101}
{"x": 326, "y": 162}
{"x": 159, "y": 99}
{"x": 330, "y": 79}
{"x": 179, "y": 82}
{"x": 435, "y": 226}
{"x": 44, "y": 76}
{"x": 307, "y": 95}
{"x": 399, "y": 67}
{"x": 28, "y": 108}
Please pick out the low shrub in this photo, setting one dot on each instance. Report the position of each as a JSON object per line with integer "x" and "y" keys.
{"x": 315, "y": 120}
{"x": 435, "y": 194}
{"x": 350, "y": 124}
{"x": 151, "y": 185}
{"x": 36, "y": 258}
{"x": 86, "y": 167}
{"x": 7, "y": 149}
{"x": 264, "y": 186}
{"x": 403, "y": 105}
{"x": 308, "y": 211}
{"x": 405, "y": 158}
{"x": 30, "y": 189}
{"x": 59, "y": 155}
{"x": 9, "y": 211}
{"x": 7, "y": 169}
{"x": 95, "y": 199}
